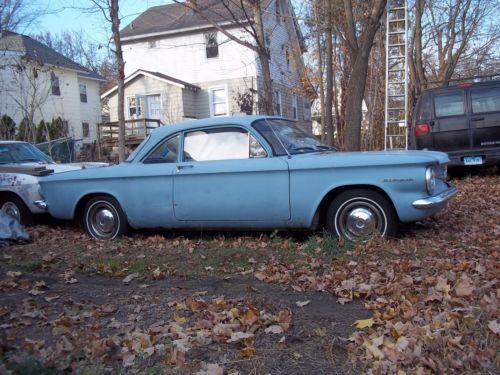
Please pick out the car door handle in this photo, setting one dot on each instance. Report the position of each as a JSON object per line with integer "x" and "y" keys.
{"x": 477, "y": 119}
{"x": 180, "y": 167}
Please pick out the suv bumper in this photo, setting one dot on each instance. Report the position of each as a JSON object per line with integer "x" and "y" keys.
{"x": 489, "y": 157}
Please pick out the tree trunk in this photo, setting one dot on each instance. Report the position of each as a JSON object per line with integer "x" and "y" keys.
{"x": 360, "y": 53}
{"x": 320, "y": 71}
{"x": 264, "y": 57}
{"x": 329, "y": 76}
{"x": 115, "y": 27}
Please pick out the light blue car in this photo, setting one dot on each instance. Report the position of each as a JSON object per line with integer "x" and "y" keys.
{"x": 250, "y": 172}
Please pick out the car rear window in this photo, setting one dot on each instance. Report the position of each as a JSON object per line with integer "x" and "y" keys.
{"x": 485, "y": 99}
{"x": 451, "y": 104}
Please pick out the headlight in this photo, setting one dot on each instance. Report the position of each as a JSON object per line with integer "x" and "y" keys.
{"x": 430, "y": 180}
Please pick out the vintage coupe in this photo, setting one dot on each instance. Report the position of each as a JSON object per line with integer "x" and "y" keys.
{"x": 250, "y": 172}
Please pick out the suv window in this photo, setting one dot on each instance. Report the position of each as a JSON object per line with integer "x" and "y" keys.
{"x": 425, "y": 108}
{"x": 451, "y": 104}
{"x": 485, "y": 100}
{"x": 221, "y": 144}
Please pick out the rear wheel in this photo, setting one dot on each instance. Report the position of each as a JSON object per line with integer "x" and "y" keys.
{"x": 15, "y": 207}
{"x": 361, "y": 214}
{"x": 103, "y": 218}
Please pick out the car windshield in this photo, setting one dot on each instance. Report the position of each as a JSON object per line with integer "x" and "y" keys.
{"x": 18, "y": 153}
{"x": 286, "y": 138}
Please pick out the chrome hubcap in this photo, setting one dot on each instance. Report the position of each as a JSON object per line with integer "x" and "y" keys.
{"x": 104, "y": 221}
{"x": 359, "y": 219}
{"x": 361, "y": 222}
{"x": 12, "y": 210}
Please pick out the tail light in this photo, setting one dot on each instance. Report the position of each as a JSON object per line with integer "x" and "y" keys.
{"x": 422, "y": 129}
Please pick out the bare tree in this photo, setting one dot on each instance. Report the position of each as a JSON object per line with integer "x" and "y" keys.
{"x": 361, "y": 25}
{"x": 111, "y": 13}
{"x": 452, "y": 39}
{"x": 18, "y": 15}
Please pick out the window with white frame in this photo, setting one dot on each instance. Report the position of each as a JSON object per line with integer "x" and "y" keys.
{"x": 83, "y": 93}
{"x": 218, "y": 101}
{"x": 294, "y": 107}
{"x": 277, "y": 103}
{"x": 134, "y": 107}
{"x": 151, "y": 43}
{"x": 211, "y": 45}
{"x": 154, "y": 106}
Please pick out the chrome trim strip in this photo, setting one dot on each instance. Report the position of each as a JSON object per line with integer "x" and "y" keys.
{"x": 437, "y": 199}
{"x": 41, "y": 204}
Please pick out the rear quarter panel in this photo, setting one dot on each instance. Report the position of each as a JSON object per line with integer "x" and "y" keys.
{"x": 402, "y": 180}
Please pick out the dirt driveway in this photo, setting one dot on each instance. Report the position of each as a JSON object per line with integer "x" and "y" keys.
{"x": 95, "y": 323}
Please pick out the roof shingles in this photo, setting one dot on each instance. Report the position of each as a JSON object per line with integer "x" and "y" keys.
{"x": 36, "y": 51}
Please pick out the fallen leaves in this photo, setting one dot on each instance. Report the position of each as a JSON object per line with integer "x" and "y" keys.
{"x": 364, "y": 323}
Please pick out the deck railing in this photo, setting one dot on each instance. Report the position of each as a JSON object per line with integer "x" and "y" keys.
{"x": 135, "y": 132}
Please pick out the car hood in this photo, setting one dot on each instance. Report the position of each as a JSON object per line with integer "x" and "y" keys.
{"x": 373, "y": 158}
{"x": 58, "y": 168}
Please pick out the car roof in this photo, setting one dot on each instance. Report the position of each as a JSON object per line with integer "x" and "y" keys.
{"x": 464, "y": 85}
{"x": 10, "y": 142}
{"x": 163, "y": 131}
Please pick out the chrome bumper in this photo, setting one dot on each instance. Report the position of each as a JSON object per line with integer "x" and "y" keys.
{"x": 437, "y": 199}
{"x": 41, "y": 205}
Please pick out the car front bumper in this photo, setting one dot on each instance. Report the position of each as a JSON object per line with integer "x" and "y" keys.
{"x": 436, "y": 200}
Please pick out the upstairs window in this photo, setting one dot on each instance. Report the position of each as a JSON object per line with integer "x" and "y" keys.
{"x": 211, "y": 45}
{"x": 85, "y": 130}
{"x": 152, "y": 44}
{"x": 294, "y": 107}
{"x": 83, "y": 93}
{"x": 54, "y": 84}
{"x": 288, "y": 64}
{"x": 278, "y": 12}
{"x": 277, "y": 103}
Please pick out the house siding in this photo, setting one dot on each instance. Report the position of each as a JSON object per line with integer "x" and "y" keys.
{"x": 171, "y": 98}
{"x": 67, "y": 105}
{"x": 183, "y": 56}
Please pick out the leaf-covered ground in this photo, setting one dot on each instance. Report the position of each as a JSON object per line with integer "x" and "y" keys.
{"x": 215, "y": 303}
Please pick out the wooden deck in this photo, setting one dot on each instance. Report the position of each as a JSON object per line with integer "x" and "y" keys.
{"x": 135, "y": 132}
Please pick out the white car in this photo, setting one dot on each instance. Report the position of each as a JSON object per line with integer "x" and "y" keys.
{"x": 20, "y": 165}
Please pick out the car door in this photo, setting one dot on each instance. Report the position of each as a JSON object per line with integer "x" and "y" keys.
{"x": 485, "y": 118}
{"x": 451, "y": 128}
{"x": 226, "y": 175}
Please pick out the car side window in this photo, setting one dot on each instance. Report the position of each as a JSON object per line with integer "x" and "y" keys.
{"x": 485, "y": 100}
{"x": 451, "y": 104}
{"x": 221, "y": 144}
{"x": 166, "y": 152}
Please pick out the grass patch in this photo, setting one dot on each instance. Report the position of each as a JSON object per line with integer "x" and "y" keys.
{"x": 30, "y": 266}
{"x": 109, "y": 265}
{"x": 137, "y": 267}
{"x": 327, "y": 246}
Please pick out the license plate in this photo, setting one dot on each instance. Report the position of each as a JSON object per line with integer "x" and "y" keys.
{"x": 473, "y": 160}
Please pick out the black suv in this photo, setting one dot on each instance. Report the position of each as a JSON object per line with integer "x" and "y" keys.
{"x": 462, "y": 120}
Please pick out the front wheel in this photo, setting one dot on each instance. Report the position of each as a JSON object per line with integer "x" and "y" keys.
{"x": 15, "y": 207}
{"x": 361, "y": 214}
{"x": 103, "y": 218}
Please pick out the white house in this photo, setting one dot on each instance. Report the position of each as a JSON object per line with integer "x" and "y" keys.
{"x": 179, "y": 67}
{"x": 38, "y": 83}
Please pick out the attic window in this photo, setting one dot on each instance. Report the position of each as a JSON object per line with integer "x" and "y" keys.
{"x": 152, "y": 44}
{"x": 54, "y": 84}
{"x": 211, "y": 45}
